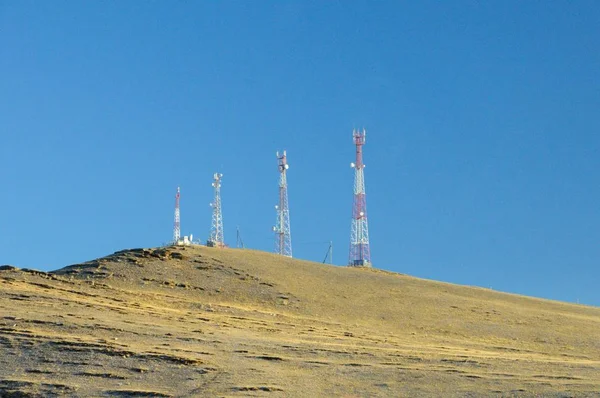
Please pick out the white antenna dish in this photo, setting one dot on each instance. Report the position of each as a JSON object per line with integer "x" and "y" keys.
{"x": 352, "y": 165}
{"x": 287, "y": 166}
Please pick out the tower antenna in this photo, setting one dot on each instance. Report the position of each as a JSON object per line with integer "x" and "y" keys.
{"x": 329, "y": 253}
{"x": 360, "y": 252}
{"x": 283, "y": 235}
{"x": 239, "y": 242}
{"x": 176, "y": 223}
{"x": 216, "y": 230}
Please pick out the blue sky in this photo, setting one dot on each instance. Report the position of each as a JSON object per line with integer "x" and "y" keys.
{"x": 482, "y": 150}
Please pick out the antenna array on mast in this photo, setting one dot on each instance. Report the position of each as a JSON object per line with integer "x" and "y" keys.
{"x": 216, "y": 230}
{"x": 360, "y": 252}
{"x": 283, "y": 235}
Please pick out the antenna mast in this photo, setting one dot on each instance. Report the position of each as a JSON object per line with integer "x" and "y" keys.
{"x": 329, "y": 253}
{"x": 176, "y": 223}
{"x": 360, "y": 252}
{"x": 239, "y": 242}
{"x": 283, "y": 236}
{"x": 216, "y": 230}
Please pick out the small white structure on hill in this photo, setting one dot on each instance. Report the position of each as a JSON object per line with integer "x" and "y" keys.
{"x": 185, "y": 241}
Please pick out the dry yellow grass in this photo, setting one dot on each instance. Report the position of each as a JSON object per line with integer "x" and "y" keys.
{"x": 226, "y": 322}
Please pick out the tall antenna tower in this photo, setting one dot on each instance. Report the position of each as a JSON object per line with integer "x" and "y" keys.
{"x": 360, "y": 252}
{"x": 176, "y": 223}
{"x": 216, "y": 230}
{"x": 283, "y": 236}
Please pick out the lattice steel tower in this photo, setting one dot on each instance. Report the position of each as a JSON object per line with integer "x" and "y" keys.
{"x": 360, "y": 252}
{"x": 216, "y": 230}
{"x": 176, "y": 223}
{"x": 283, "y": 235}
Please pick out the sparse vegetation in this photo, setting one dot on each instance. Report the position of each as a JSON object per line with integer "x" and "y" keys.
{"x": 198, "y": 321}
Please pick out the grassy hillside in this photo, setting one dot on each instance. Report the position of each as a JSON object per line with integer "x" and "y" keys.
{"x": 229, "y": 322}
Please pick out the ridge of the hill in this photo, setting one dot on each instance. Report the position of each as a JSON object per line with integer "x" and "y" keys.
{"x": 198, "y": 321}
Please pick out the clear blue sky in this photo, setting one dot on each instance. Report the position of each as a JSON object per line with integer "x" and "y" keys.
{"x": 482, "y": 150}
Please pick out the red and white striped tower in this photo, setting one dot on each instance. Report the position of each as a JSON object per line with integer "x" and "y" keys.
{"x": 176, "y": 223}
{"x": 360, "y": 252}
{"x": 283, "y": 235}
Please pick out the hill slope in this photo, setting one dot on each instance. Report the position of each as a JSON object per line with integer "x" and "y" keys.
{"x": 226, "y": 322}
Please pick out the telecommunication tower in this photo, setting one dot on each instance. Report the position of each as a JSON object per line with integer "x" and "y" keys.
{"x": 216, "y": 230}
{"x": 176, "y": 223}
{"x": 360, "y": 252}
{"x": 283, "y": 236}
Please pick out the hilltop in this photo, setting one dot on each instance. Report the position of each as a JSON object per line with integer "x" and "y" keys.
{"x": 197, "y": 321}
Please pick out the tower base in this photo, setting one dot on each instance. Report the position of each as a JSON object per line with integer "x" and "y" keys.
{"x": 360, "y": 263}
